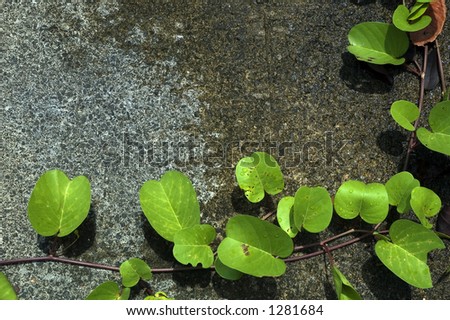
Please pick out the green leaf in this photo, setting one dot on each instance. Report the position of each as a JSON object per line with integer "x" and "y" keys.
{"x": 226, "y": 272}
{"x": 6, "y": 290}
{"x": 170, "y": 205}
{"x": 285, "y": 216}
{"x": 355, "y": 198}
{"x": 109, "y": 290}
{"x": 344, "y": 288}
{"x": 258, "y": 173}
{"x": 439, "y": 120}
{"x": 251, "y": 244}
{"x": 399, "y": 189}
{"x": 404, "y": 113}
{"x": 400, "y": 19}
{"x": 158, "y": 296}
{"x": 192, "y": 245}
{"x": 378, "y": 43}
{"x": 417, "y": 10}
{"x": 406, "y": 255}
{"x": 313, "y": 209}
{"x": 133, "y": 270}
{"x": 425, "y": 203}
{"x": 59, "y": 205}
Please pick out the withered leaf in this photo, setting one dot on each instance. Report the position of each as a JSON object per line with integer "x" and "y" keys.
{"x": 437, "y": 11}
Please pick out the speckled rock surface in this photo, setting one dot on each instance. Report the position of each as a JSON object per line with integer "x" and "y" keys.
{"x": 122, "y": 91}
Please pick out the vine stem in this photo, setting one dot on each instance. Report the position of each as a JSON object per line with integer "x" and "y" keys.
{"x": 367, "y": 233}
{"x": 52, "y": 258}
{"x": 441, "y": 69}
{"x": 412, "y": 137}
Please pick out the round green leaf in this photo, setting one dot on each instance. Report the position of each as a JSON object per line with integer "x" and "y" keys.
{"x": 404, "y": 113}
{"x": 378, "y": 43}
{"x": 6, "y": 290}
{"x": 400, "y": 18}
{"x": 425, "y": 203}
{"x": 251, "y": 244}
{"x": 313, "y": 209}
{"x": 257, "y": 174}
{"x": 285, "y": 216}
{"x": 226, "y": 272}
{"x": 439, "y": 120}
{"x": 344, "y": 288}
{"x": 406, "y": 255}
{"x": 133, "y": 270}
{"x": 170, "y": 205}
{"x": 371, "y": 201}
{"x": 59, "y": 205}
{"x": 399, "y": 189}
{"x": 192, "y": 245}
{"x": 109, "y": 290}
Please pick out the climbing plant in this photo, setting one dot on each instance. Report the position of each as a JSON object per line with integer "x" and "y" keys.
{"x": 256, "y": 246}
{"x": 262, "y": 246}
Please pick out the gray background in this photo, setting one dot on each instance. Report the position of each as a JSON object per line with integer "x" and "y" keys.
{"x": 122, "y": 91}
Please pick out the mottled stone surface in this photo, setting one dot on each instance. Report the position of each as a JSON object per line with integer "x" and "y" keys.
{"x": 122, "y": 91}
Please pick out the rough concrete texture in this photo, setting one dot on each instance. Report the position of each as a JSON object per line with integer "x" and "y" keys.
{"x": 122, "y": 91}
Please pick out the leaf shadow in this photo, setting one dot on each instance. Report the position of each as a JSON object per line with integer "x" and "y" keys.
{"x": 195, "y": 278}
{"x": 75, "y": 243}
{"x": 241, "y": 204}
{"x": 392, "y": 142}
{"x": 339, "y": 225}
{"x": 246, "y": 288}
{"x": 383, "y": 284}
{"x": 159, "y": 245}
{"x": 432, "y": 169}
{"x": 358, "y": 76}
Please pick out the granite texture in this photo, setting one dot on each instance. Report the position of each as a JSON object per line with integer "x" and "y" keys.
{"x": 122, "y": 91}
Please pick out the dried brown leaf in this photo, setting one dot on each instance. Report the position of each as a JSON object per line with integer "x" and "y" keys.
{"x": 437, "y": 11}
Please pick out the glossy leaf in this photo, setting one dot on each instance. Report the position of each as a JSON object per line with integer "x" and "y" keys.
{"x": 59, "y": 205}
{"x": 439, "y": 121}
{"x": 109, "y": 290}
{"x": 355, "y": 198}
{"x": 378, "y": 43}
{"x": 313, "y": 209}
{"x": 192, "y": 245}
{"x": 400, "y": 19}
{"x": 133, "y": 270}
{"x": 251, "y": 245}
{"x": 425, "y": 203}
{"x": 404, "y": 113}
{"x": 343, "y": 287}
{"x": 257, "y": 174}
{"x": 417, "y": 10}
{"x": 226, "y": 272}
{"x": 6, "y": 290}
{"x": 406, "y": 254}
{"x": 170, "y": 205}
{"x": 285, "y": 216}
{"x": 399, "y": 189}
